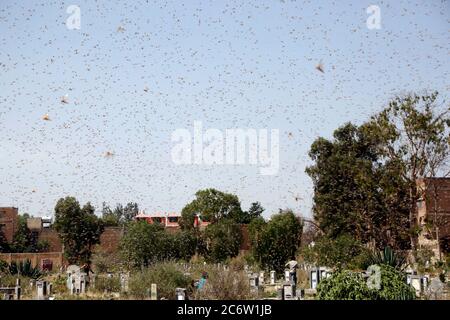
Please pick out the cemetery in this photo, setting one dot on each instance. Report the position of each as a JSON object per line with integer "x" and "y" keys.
{"x": 179, "y": 281}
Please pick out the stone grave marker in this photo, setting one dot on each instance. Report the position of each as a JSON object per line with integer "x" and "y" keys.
{"x": 154, "y": 292}
{"x": 272, "y": 277}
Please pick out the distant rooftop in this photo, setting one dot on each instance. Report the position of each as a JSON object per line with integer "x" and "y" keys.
{"x": 158, "y": 214}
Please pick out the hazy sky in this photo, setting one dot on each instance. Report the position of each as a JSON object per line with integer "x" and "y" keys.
{"x": 229, "y": 64}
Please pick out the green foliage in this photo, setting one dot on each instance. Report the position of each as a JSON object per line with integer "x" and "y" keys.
{"x": 276, "y": 242}
{"x": 386, "y": 257}
{"x": 183, "y": 244}
{"x": 357, "y": 193}
{"x": 254, "y": 212}
{"x": 120, "y": 215}
{"x": 3, "y": 266}
{"x": 222, "y": 240}
{"x": 26, "y": 241}
{"x": 144, "y": 244}
{"x": 348, "y": 285}
{"x": 212, "y": 205}
{"x": 413, "y": 131}
{"x": 344, "y": 285}
{"x": 340, "y": 253}
{"x": 393, "y": 285}
{"x": 24, "y": 269}
{"x": 166, "y": 276}
{"x": 79, "y": 229}
{"x": 105, "y": 261}
{"x": 4, "y": 245}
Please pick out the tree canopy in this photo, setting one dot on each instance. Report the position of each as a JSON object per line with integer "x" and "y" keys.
{"x": 276, "y": 242}
{"x": 79, "y": 229}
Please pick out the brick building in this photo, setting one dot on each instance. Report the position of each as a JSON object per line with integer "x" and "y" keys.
{"x": 9, "y": 222}
{"x": 433, "y": 213}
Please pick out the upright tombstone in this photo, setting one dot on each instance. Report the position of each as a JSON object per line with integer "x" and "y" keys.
{"x": 289, "y": 291}
{"x": 416, "y": 283}
{"x": 286, "y": 276}
{"x": 291, "y": 272}
{"x": 124, "y": 280}
{"x": 254, "y": 283}
{"x": 154, "y": 292}
{"x": 17, "y": 290}
{"x": 272, "y": 277}
{"x": 41, "y": 287}
{"x": 180, "y": 293}
{"x": 261, "y": 277}
{"x": 72, "y": 273}
{"x": 280, "y": 293}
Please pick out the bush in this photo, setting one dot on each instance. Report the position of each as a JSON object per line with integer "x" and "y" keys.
{"x": 167, "y": 277}
{"x": 344, "y": 285}
{"x": 394, "y": 286}
{"x": 104, "y": 261}
{"x": 348, "y": 285}
{"x": 225, "y": 285}
{"x": 107, "y": 284}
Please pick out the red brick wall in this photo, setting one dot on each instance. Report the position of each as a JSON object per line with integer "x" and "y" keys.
{"x": 35, "y": 258}
{"x": 51, "y": 236}
{"x": 9, "y": 221}
{"x": 110, "y": 238}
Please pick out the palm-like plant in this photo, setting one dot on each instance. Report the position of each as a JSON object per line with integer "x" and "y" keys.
{"x": 25, "y": 269}
{"x": 388, "y": 257}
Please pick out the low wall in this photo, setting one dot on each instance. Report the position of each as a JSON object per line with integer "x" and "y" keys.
{"x": 36, "y": 259}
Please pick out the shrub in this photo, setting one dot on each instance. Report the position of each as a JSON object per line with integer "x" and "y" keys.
{"x": 348, "y": 285}
{"x": 107, "y": 284}
{"x": 167, "y": 277}
{"x": 393, "y": 285}
{"x": 344, "y": 285}
{"x": 104, "y": 261}
{"x": 225, "y": 285}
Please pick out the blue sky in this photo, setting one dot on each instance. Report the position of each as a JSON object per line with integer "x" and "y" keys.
{"x": 229, "y": 64}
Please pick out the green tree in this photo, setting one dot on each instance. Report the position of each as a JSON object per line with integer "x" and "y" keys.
{"x": 120, "y": 215}
{"x": 343, "y": 252}
{"x": 222, "y": 240}
{"x": 255, "y": 211}
{"x": 79, "y": 229}
{"x": 22, "y": 239}
{"x": 143, "y": 244}
{"x": 211, "y": 205}
{"x": 276, "y": 242}
{"x": 357, "y": 193}
{"x": 413, "y": 131}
